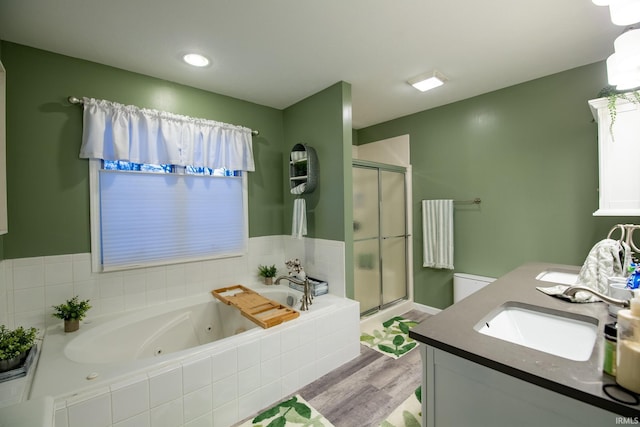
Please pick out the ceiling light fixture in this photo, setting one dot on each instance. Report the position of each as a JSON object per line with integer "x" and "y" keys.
{"x": 623, "y": 12}
{"x": 196, "y": 60}
{"x": 623, "y": 67}
{"x": 427, "y": 81}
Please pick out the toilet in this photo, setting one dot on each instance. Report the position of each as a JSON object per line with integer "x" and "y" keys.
{"x": 466, "y": 284}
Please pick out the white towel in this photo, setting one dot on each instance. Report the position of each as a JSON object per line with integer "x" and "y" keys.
{"x": 299, "y": 222}
{"x": 604, "y": 261}
{"x": 299, "y": 189}
{"x": 437, "y": 233}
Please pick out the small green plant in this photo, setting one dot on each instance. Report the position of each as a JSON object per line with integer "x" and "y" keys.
{"x": 612, "y": 95}
{"x": 15, "y": 342}
{"x": 73, "y": 309}
{"x": 267, "y": 271}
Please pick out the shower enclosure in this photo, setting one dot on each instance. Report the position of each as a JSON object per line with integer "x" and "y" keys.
{"x": 380, "y": 234}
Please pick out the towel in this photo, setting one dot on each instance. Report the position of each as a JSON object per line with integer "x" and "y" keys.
{"x": 299, "y": 189}
{"x": 605, "y": 261}
{"x": 437, "y": 233}
{"x": 299, "y": 222}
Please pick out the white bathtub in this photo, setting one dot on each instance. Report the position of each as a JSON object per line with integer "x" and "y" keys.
{"x": 158, "y": 345}
{"x": 151, "y": 333}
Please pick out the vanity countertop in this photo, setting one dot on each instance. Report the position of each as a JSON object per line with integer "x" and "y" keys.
{"x": 452, "y": 330}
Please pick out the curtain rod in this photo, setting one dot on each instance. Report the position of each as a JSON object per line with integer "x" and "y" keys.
{"x": 76, "y": 100}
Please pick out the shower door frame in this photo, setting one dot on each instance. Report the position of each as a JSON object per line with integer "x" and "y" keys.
{"x": 380, "y": 167}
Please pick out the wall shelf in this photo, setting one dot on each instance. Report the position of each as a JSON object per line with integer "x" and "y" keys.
{"x": 303, "y": 169}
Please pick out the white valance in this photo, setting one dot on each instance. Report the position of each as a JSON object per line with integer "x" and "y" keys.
{"x": 113, "y": 131}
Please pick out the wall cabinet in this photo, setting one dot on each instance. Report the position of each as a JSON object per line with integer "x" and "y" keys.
{"x": 618, "y": 153}
{"x": 303, "y": 169}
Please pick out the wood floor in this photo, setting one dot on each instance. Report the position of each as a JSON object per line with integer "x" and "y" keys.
{"x": 365, "y": 391}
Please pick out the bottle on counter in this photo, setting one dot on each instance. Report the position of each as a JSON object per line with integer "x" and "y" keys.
{"x": 628, "y": 349}
{"x": 610, "y": 348}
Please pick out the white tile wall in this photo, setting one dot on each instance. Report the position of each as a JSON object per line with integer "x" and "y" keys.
{"x": 129, "y": 398}
{"x": 165, "y": 385}
{"x": 30, "y": 286}
{"x": 167, "y": 415}
{"x": 90, "y": 409}
{"x": 216, "y": 389}
{"x": 196, "y": 374}
{"x": 141, "y": 420}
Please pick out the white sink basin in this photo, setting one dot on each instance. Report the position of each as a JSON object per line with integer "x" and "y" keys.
{"x": 563, "y": 334}
{"x": 558, "y": 276}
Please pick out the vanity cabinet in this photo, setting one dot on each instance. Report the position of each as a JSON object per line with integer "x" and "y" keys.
{"x": 459, "y": 392}
{"x": 618, "y": 153}
{"x": 473, "y": 379}
{"x": 303, "y": 169}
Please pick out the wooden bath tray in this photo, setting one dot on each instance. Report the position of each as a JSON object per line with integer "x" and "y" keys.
{"x": 260, "y": 310}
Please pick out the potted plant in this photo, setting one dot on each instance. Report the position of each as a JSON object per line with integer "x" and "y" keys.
{"x": 14, "y": 345}
{"x": 72, "y": 312}
{"x": 268, "y": 272}
{"x": 612, "y": 95}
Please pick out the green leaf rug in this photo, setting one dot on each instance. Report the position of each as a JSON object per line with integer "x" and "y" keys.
{"x": 392, "y": 338}
{"x": 292, "y": 412}
{"x": 408, "y": 414}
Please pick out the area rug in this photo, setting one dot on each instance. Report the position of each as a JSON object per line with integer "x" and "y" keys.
{"x": 391, "y": 337}
{"x": 408, "y": 414}
{"x": 292, "y": 412}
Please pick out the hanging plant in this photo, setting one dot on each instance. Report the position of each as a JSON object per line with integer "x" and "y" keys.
{"x": 612, "y": 94}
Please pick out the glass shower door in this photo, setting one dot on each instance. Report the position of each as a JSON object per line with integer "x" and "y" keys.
{"x": 380, "y": 236}
{"x": 393, "y": 233}
{"x": 366, "y": 246}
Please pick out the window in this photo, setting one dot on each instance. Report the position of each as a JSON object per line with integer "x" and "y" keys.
{"x": 145, "y": 215}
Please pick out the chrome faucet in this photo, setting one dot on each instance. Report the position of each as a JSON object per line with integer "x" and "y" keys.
{"x": 307, "y": 298}
{"x": 572, "y": 290}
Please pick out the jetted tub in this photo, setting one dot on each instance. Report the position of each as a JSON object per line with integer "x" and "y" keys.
{"x": 137, "y": 337}
{"x": 109, "y": 346}
{"x": 194, "y": 361}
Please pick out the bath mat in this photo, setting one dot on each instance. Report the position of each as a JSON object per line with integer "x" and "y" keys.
{"x": 408, "y": 414}
{"x": 289, "y": 413}
{"x": 391, "y": 338}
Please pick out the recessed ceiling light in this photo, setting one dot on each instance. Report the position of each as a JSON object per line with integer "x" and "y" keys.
{"x": 196, "y": 60}
{"x": 427, "y": 81}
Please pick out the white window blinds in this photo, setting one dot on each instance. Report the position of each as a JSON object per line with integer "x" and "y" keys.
{"x": 151, "y": 219}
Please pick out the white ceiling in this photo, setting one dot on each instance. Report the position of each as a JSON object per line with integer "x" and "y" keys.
{"x": 277, "y": 52}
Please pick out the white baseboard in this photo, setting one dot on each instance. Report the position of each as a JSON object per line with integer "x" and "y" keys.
{"x": 426, "y": 308}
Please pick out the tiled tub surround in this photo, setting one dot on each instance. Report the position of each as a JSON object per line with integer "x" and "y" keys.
{"x": 113, "y": 345}
{"x": 214, "y": 384}
{"x": 30, "y": 286}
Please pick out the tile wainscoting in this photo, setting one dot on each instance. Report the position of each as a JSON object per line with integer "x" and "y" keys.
{"x": 30, "y": 286}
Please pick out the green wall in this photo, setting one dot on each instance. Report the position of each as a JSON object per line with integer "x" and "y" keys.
{"x": 318, "y": 122}
{"x": 47, "y": 184}
{"x": 323, "y": 121}
{"x": 530, "y": 153}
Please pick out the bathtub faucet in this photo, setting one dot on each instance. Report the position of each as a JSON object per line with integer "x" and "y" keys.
{"x": 307, "y": 298}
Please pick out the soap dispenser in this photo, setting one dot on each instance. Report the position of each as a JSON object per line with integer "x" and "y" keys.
{"x": 628, "y": 351}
